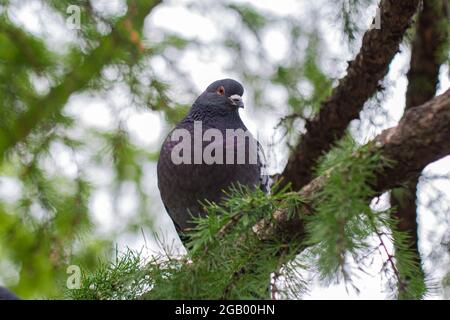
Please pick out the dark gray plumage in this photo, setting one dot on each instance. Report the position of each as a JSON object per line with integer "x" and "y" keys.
{"x": 5, "y": 294}
{"x": 182, "y": 186}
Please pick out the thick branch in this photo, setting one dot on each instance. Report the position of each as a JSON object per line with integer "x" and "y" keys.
{"x": 379, "y": 47}
{"x": 421, "y": 137}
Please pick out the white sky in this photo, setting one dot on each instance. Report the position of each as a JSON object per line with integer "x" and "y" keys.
{"x": 146, "y": 127}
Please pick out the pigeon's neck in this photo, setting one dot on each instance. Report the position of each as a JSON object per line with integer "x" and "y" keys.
{"x": 215, "y": 118}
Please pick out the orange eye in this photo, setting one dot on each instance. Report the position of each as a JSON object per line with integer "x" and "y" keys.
{"x": 221, "y": 90}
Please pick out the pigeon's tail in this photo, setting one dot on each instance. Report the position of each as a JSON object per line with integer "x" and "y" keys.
{"x": 5, "y": 294}
{"x": 265, "y": 183}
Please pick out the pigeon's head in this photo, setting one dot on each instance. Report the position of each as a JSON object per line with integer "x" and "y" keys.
{"x": 230, "y": 89}
{"x": 223, "y": 96}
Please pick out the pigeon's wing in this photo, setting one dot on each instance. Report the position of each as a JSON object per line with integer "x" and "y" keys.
{"x": 179, "y": 230}
{"x": 177, "y": 226}
{"x": 264, "y": 178}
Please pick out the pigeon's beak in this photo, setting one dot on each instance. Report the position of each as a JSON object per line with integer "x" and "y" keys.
{"x": 236, "y": 100}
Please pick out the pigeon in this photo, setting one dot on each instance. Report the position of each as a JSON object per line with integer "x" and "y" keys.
{"x": 5, "y": 294}
{"x": 212, "y": 160}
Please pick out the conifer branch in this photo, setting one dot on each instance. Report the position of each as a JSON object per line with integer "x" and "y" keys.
{"x": 421, "y": 137}
{"x": 78, "y": 78}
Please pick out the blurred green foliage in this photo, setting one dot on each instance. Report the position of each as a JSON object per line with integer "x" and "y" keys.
{"x": 49, "y": 223}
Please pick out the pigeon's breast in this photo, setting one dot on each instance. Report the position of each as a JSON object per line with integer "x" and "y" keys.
{"x": 183, "y": 185}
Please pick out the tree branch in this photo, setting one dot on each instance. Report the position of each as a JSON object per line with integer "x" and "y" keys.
{"x": 423, "y": 75}
{"x": 421, "y": 137}
{"x": 379, "y": 47}
{"x": 111, "y": 47}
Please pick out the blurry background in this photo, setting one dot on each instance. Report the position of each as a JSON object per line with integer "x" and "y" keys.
{"x": 99, "y": 101}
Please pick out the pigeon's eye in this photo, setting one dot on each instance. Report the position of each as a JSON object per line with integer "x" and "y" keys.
{"x": 221, "y": 90}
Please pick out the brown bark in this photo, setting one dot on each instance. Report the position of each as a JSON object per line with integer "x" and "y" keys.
{"x": 423, "y": 75}
{"x": 379, "y": 46}
{"x": 421, "y": 137}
